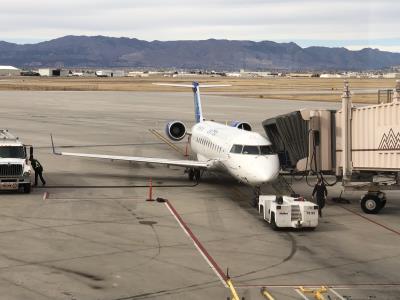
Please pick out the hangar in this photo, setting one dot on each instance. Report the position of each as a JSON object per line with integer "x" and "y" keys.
{"x": 9, "y": 71}
{"x": 52, "y": 72}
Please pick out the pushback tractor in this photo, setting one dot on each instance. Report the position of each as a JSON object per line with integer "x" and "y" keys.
{"x": 288, "y": 212}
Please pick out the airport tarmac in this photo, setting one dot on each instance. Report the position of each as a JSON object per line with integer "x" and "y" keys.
{"x": 95, "y": 236}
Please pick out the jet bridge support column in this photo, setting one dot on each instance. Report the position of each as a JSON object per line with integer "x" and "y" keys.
{"x": 346, "y": 133}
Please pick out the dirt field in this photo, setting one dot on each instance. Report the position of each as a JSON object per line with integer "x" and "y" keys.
{"x": 320, "y": 89}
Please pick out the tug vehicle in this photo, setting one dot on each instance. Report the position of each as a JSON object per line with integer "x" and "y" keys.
{"x": 289, "y": 212}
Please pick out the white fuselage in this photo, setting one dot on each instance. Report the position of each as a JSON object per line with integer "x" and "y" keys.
{"x": 243, "y": 154}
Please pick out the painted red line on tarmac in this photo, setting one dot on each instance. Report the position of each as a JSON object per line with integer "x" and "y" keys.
{"x": 213, "y": 264}
{"x": 336, "y": 286}
{"x": 372, "y": 221}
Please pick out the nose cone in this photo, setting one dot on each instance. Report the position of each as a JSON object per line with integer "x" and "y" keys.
{"x": 264, "y": 169}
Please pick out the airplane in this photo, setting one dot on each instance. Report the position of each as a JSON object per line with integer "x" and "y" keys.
{"x": 233, "y": 149}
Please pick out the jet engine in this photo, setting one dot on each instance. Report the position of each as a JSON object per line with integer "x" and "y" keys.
{"x": 241, "y": 125}
{"x": 176, "y": 130}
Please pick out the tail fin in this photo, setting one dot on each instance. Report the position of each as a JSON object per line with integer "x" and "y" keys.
{"x": 198, "y": 112}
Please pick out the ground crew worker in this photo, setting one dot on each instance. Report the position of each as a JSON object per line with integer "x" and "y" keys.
{"x": 37, "y": 167}
{"x": 322, "y": 193}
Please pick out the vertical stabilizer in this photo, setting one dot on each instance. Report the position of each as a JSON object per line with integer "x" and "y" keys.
{"x": 198, "y": 112}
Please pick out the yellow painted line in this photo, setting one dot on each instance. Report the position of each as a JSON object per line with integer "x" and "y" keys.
{"x": 234, "y": 294}
{"x": 318, "y": 293}
{"x": 162, "y": 138}
{"x": 266, "y": 294}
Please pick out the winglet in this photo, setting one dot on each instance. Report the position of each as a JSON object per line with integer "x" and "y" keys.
{"x": 52, "y": 145}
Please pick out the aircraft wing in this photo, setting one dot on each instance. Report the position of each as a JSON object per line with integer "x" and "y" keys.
{"x": 162, "y": 161}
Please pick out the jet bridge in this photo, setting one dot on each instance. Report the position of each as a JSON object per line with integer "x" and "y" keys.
{"x": 358, "y": 145}
{"x": 289, "y": 136}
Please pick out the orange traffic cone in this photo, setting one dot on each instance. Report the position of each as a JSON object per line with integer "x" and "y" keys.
{"x": 186, "y": 150}
{"x": 187, "y": 147}
{"x": 150, "y": 198}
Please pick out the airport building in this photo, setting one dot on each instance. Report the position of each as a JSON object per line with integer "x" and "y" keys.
{"x": 110, "y": 73}
{"x": 49, "y": 72}
{"x": 138, "y": 74}
{"x": 9, "y": 71}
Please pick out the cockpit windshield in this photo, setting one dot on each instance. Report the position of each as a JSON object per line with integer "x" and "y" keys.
{"x": 252, "y": 150}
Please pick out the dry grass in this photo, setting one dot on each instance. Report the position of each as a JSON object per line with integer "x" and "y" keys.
{"x": 264, "y": 88}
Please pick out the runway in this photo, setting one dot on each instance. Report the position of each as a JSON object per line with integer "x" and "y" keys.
{"x": 95, "y": 236}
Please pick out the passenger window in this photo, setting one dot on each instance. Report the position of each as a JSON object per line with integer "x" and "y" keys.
{"x": 236, "y": 149}
{"x": 251, "y": 150}
{"x": 266, "y": 150}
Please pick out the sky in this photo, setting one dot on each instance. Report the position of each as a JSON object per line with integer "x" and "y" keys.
{"x": 354, "y": 24}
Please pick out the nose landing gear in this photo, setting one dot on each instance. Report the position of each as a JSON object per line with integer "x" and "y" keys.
{"x": 257, "y": 192}
{"x": 194, "y": 174}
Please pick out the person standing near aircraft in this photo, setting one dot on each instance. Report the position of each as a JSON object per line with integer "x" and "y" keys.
{"x": 321, "y": 192}
{"x": 37, "y": 167}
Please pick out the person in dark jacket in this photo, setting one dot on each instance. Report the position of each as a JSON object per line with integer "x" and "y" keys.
{"x": 37, "y": 167}
{"x": 321, "y": 193}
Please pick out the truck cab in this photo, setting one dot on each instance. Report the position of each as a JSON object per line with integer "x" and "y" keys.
{"x": 15, "y": 172}
{"x": 285, "y": 211}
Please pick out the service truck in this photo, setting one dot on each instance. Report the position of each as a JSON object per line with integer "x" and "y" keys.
{"x": 15, "y": 172}
{"x": 285, "y": 211}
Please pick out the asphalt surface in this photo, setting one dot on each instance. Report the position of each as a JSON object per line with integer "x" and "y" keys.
{"x": 95, "y": 236}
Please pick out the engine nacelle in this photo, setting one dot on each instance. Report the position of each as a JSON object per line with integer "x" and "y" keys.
{"x": 176, "y": 130}
{"x": 241, "y": 125}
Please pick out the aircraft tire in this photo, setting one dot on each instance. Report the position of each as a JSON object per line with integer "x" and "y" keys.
{"x": 197, "y": 174}
{"x": 191, "y": 174}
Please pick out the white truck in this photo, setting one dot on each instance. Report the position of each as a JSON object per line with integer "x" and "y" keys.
{"x": 15, "y": 172}
{"x": 288, "y": 212}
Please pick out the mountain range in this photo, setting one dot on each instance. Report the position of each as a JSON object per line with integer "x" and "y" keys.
{"x": 212, "y": 54}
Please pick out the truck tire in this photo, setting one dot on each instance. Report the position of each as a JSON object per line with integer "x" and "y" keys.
{"x": 273, "y": 222}
{"x": 371, "y": 204}
{"x": 27, "y": 188}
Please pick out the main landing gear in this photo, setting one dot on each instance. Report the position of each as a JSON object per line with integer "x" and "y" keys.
{"x": 194, "y": 174}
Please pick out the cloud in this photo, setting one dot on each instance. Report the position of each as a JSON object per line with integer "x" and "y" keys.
{"x": 187, "y": 19}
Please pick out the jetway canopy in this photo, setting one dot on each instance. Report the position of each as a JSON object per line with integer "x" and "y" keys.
{"x": 289, "y": 136}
